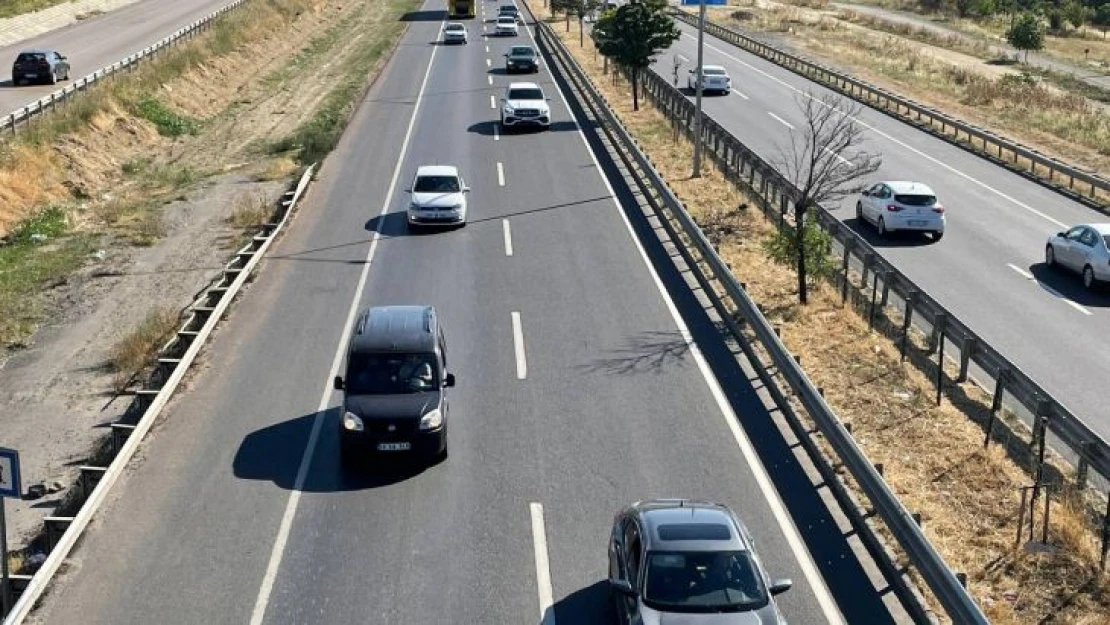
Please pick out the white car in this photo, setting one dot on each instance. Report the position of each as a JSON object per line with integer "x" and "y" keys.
{"x": 525, "y": 104}
{"x": 506, "y": 26}
{"x": 900, "y": 205}
{"x": 1084, "y": 249}
{"x": 714, "y": 78}
{"x": 455, "y": 32}
{"x": 438, "y": 196}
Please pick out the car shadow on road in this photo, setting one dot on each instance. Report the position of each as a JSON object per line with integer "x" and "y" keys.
{"x": 395, "y": 225}
{"x": 501, "y": 71}
{"x": 490, "y": 128}
{"x": 892, "y": 239}
{"x": 587, "y": 606}
{"x": 1062, "y": 282}
{"x": 274, "y": 454}
{"x": 7, "y": 84}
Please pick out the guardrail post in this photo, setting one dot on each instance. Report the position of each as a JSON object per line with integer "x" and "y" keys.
{"x": 1044, "y": 413}
{"x": 966, "y": 352}
{"x": 911, "y": 298}
{"x": 89, "y": 478}
{"x": 848, "y": 245}
{"x": 996, "y": 403}
{"x": 867, "y": 260}
{"x": 939, "y": 323}
{"x": 1105, "y": 536}
{"x": 874, "y": 294}
{"x": 1082, "y": 466}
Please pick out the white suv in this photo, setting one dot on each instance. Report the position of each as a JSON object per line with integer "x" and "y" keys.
{"x": 525, "y": 104}
{"x": 438, "y": 197}
{"x": 506, "y": 25}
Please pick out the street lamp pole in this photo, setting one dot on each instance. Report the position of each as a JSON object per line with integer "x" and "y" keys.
{"x": 698, "y": 86}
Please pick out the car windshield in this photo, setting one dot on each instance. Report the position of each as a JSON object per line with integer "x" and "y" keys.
{"x": 713, "y": 71}
{"x": 436, "y": 184}
{"x": 391, "y": 374}
{"x": 1106, "y": 240}
{"x": 507, "y": 9}
{"x": 703, "y": 581}
{"x": 525, "y": 94}
{"x": 909, "y": 199}
{"x": 454, "y": 27}
{"x": 506, "y": 20}
{"x": 522, "y": 52}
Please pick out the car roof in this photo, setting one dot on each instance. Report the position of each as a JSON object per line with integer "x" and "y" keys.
{"x": 707, "y": 66}
{"x": 37, "y": 51}
{"x": 502, "y": 18}
{"x": 906, "y": 186}
{"x": 395, "y": 329}
{"x": 437, "y": 170}
{"x": 523, "y": 85}
{"x": 507, "y": 6}
{"x": 661, "y": 512}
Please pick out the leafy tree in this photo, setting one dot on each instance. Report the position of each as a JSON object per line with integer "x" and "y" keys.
{"x": 1102, "y": 18}
{"x": 1076, "y": 13}
{"x": 825, "y": 164}
{"x": 1026, "y": 34}
{"x": 632, "y": 36}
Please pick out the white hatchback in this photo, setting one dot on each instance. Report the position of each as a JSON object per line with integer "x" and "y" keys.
{"x": 506, "y": 26}
{"x": 438, "y": 196}
{"x": 899, "y": 205}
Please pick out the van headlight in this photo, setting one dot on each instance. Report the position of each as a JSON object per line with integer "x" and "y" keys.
{"x": 431, "y": 421}
{"x": 352, "y": 423}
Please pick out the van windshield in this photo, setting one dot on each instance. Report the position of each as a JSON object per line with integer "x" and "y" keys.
{"x": 391, "y": 374}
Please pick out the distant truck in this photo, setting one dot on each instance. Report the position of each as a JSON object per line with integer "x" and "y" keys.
{"x": 460, "y": 8}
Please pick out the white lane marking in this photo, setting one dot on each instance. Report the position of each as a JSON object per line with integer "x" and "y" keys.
{"x": 789, "y": 530}
{"x": 508, "y": 237}
{"x": 489, "y": 63}
{"x": 1058, "y": 295}
{"x": 492, "y": 102}
{"x": 741, "y": 94}
{"x": 500, "y": 175}
{"x": 496, "y": 133}
{"x": 841, "y": 158}
{"x": 543, "y": 565}
{"x": 490, "y": 79}
{"x": 487, "y": 51}
{"x": 278, "y": 550}
{"x": 518, "y": 344}
{"x": 781, "y": 120}
{"x": 890, "y": 138}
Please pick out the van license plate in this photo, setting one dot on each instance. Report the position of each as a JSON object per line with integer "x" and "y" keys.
{"x": 394, "y": 446}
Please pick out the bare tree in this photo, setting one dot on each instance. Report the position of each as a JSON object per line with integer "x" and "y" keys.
{"x": 825, "y": 163}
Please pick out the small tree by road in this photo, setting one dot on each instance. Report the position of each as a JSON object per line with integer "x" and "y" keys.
{"x": 823, "y": 160}
{"x": 1026, "y": 34}
{"x": 632, "y": 36}
{"x": 1102, "y": 18}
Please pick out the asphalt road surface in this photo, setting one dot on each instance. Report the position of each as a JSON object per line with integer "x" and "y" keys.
{"x": 988, "y": 269}
{"x": 100, "y": 41}
{"x": 238, "y": 511}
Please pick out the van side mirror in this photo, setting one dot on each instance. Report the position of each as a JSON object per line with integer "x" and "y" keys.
{"x": 780, "y": 586}
{"x": 339, "y": 383}
{"x": 623, "y": 586}
{"x": 449, "y": 380}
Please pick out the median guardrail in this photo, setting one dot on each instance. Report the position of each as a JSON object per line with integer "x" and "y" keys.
{"x": 61, "y": 533}
{"x": 715, "y": 277}
{"x": 50, "y": 103}
{"x": 1070, "y": 180}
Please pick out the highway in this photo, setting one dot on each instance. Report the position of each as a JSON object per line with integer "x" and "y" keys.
{"x": 988, "y": 269}
{"x": 97, "y": 42}
{"x": 237, "y": 511}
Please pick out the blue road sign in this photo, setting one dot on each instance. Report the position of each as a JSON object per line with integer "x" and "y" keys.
{"x": 9, "y": 474}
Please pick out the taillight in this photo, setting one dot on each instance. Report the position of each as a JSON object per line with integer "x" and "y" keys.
{"x": 893, "y": 208}
{"x": 938, "y": 209}
{"x": 44, "y": 64}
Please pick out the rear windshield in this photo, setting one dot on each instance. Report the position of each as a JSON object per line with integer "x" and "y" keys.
{"x": 29, "y": 57}
{"x": 525, "y": 94}
{"x": 522, "y": 52}
{"x": 713, "y": 71}
{"x": 454, "y": 27}
{"x": 507, "y": 19}
{"x": 436, "y": 184}
{"x": 915, "y": 200}
{"x": 391, "y": 374}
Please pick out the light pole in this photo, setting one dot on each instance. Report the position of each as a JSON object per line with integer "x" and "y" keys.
{"x": 698, "y": 86}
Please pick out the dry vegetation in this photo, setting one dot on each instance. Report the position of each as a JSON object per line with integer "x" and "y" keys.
{"x": 250, "y": 210}
{"x": 137, "y": 348}
{"x": 1062, "y": 123}
{"x": 933, "y": 456}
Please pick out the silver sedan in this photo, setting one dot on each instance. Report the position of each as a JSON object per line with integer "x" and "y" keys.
{"x": 1084, "y": 249}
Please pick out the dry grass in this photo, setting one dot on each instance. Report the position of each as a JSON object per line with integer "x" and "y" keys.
{"x": 29, "y": 177}
{"x": 932, "y": 455}
{"x": 138, "y": 348}
{"x": 250, "y": 210}
{"x": 278, "y": 168}
{"x": 1059, "y": 123}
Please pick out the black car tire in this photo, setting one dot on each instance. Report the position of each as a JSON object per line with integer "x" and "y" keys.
{"x": 938, "y": 236}
{"x": 1050, "y": 257}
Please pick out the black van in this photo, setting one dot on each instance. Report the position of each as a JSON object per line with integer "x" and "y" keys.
{"x": 395, "y": 387}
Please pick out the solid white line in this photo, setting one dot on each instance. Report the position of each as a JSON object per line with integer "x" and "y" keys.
{"x": 278, "y": 550}
{"x": 492, "y": 102}
{"x": 543, "y": 565}
{"x": 781, "y": 120}
{"x": 766, "y": 486}
{"x": 1058, "y": 295}
{"x": 508, "y": 237}
{"x": 500, "y": 175}
{"x": 890, "y": 138}
{"x": 842, "y": 159}
{"x": 518, "y": 343}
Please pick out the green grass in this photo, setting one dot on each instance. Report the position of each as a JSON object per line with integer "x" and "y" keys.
{"x": 28, "y": 266}
{"x": 168, "y": 123}
{"x": 11, "y": 8}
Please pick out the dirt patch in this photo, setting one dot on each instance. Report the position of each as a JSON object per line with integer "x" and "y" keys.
{"x": 160, "y": 214}
{"x": 933, "y": 456}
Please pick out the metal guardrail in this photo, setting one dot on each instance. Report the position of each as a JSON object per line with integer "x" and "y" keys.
{"x": 174, "y": 359}
{"x": 1057, "y": 175}
{"x": 49, "y": 103}
{"x": 943, "y": 582}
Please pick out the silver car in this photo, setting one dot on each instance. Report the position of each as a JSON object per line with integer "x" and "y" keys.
{"x": 674, "y": 560}
{"x": 1085, "y": 249}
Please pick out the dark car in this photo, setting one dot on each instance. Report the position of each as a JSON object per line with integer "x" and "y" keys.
{"x": 676, "y": 560}
{"x": 395, "y": 389}
{"x": 48, "y": 66}
{"x": 522, "y": 59}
